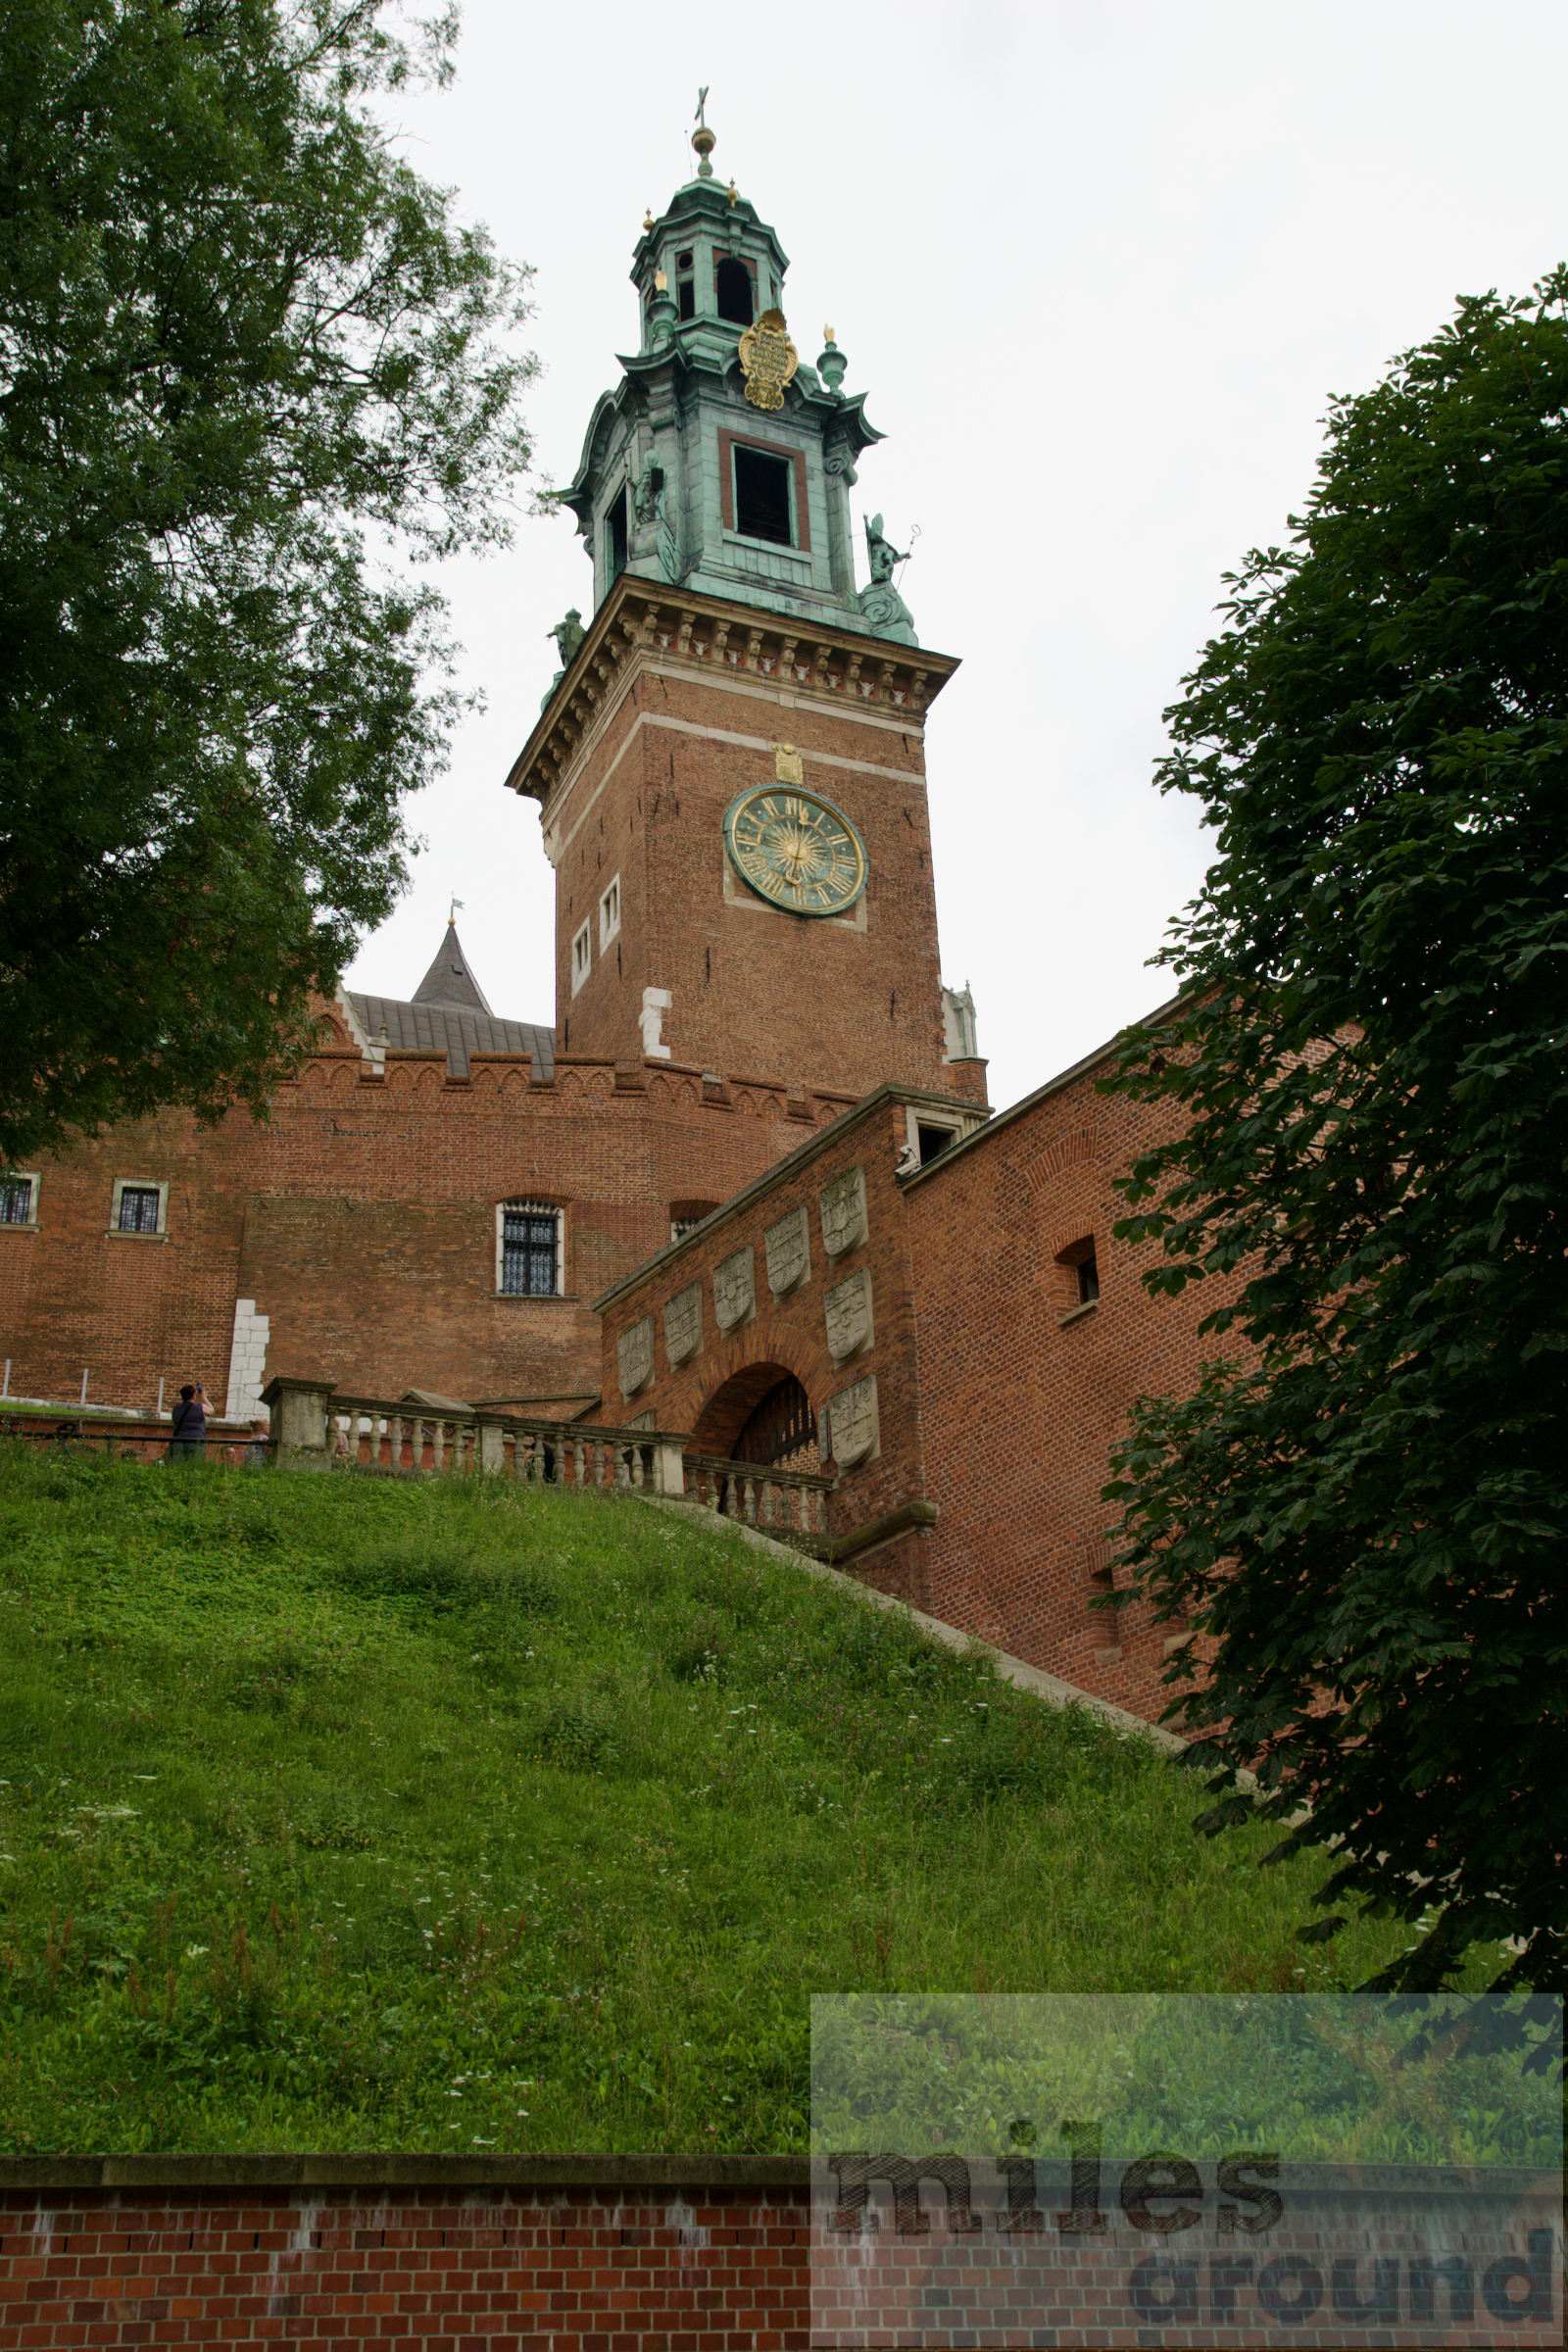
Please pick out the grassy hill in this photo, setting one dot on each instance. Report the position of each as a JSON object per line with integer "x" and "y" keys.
{"x": 359, "y": 1813}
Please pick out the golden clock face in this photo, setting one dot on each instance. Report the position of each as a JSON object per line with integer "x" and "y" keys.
{"x": 794, "y": 851}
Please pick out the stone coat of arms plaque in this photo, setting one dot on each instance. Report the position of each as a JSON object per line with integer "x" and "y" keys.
{"x": 849, "y": 1317}
{"x": 789, "y": 1251}
{"x": 635, "y": 1349}
{"x": 683, "y": 1323}
{"x": 843, "y": 1205}
{"x": 855, "y": 1423}
{"x": 734, "y": 1288}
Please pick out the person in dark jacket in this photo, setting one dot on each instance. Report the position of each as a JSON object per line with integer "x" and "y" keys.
{"x": 187, "y": 1434}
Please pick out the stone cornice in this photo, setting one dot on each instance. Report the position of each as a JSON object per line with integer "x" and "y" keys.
{"x": 820, "y": 663}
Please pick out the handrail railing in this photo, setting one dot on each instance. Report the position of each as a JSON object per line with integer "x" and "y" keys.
{"x": 415, "y": 1434}
{"x": 380, "y": 1433}
{"x": 787, "y": 1503}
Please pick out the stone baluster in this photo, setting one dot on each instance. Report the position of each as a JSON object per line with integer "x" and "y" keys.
{"x": 623, "y": 1474}
{"x": 438, "y": 1434}
{"x": 636, "y": 1467}
{"x": 748, "y": 1510}
{"x": 577, "y": 1462}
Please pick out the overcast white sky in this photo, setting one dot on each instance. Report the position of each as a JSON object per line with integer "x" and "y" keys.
{"x": 1099, "y": 268}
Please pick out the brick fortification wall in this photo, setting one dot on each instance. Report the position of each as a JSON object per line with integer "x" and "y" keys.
{"x": 362, "y": 1223}
{"x": 676, "y": 2261}
{"x": 1000, "y": 1392}
{"x": 1030, "y": 1388}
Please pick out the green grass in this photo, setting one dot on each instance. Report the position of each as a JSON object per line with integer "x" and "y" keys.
{"x": 355, "y": 1813}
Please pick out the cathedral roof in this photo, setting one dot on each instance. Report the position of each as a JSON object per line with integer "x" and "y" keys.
{"x": 449, "y": 1013}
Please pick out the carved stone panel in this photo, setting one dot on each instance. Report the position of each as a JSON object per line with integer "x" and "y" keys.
{"x": 683, "y": 1323}
{"x": 789, "y": 1251}
{"x": 854, "y": 1423}
{"x": 843, "y": 1207}
{"x": 734, "y": 1288}
{"x": 849, "y": 1317}
{"x": 635, "y": 1348}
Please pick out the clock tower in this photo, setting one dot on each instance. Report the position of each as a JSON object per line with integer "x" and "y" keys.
{"x": 731, "y": 763}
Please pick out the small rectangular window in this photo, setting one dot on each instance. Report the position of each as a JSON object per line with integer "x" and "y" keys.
{"x": 531, "y": 1250}
{"x": 763, "y": 496}
{"x": 15, "y": 1199}
{"x": 582, "y": 958}
{"x": 933, "y": 1142}
{"x": 610, "y": 915}
{"x": 1078, "y": 1275}
{"x": 685, "y": 288}
{"x": 138, "y": 1209}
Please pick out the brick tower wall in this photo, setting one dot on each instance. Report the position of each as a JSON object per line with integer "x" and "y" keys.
{"x": 843, "y": 1001}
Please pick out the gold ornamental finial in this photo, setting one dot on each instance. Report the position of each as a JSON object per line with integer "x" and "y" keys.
{"x": 828, "y": 336}
{"x": 702, "y": 139}
{"x": 647, "y": 216}
{"x": 734, "y": 192}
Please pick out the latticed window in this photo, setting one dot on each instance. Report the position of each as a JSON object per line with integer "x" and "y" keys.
{"x": 15, "y": 1199}
{"x": 138, "y": 1209}
{"x": 530, "y": 1248}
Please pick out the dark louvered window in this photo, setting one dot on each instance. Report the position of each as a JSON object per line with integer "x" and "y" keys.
{"x": 138, "y": 1209}
{"x": 15, "y": 1199}
{"x": 530, "y": 1248}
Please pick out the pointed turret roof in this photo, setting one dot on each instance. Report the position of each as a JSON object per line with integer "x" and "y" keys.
{"x": 449, "y": 1013}
{"x": 449, "y": 980}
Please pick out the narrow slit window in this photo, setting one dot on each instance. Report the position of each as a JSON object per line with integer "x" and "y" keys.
{"x": 763, "y": 496}
{"x": 615, "y": 535}
{"x": 1088, "y": 1280}
{"x": 685, "y": 288}
{"x": 582, "y": 956}
{"x": 735, "y": 296}
{"x": 610, "y": 915}
{"x": 531, "y": 1250}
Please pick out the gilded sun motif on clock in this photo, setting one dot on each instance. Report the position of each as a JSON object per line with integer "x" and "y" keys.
{"x": 794, "y": 851}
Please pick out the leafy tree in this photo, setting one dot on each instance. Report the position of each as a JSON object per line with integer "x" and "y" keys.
{"x": 1365, "y": 1504}
{"x": 249, "y": 362}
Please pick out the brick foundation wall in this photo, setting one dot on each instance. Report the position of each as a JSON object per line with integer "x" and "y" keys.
{"x": 604, "y": 2255}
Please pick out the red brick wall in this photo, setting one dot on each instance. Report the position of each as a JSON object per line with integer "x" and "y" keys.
{"x": 712, "y": 1392}
{"x": 361, "y": 1221}
{"x": 1020, "y": 1408}
{"x": 832, "y": 1002}
{"x": 701, "y": 2267}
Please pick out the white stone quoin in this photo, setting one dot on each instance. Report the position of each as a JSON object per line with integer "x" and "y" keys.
{"x": 247, "y": 1364}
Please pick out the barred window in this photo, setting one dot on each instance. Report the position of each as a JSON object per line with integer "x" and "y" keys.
{"x": 138, "y": 1209}
{"x": 15, "y": 1199}
{"x": 531, "y": 1250}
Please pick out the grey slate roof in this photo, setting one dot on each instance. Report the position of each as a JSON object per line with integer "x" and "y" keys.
{"x": 449, "y": 1014}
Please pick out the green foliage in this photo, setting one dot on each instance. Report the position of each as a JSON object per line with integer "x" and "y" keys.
{"x": 1315, "y": 2077}
{"x": 239, "y": 342}
{"x": 351, "y": 1812}
{"x": 1366, "y": 1502}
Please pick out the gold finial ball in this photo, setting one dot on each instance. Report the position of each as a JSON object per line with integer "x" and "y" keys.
{"x": 704, "y": 141}
{"x": 648, "y": 220}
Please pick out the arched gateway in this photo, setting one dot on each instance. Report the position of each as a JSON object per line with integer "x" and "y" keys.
{"x": 760, "y": 1414}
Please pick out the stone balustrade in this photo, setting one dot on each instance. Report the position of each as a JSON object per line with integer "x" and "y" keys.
{"x": 317, "y": 1426}
{"x": 791, "y": 1504}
